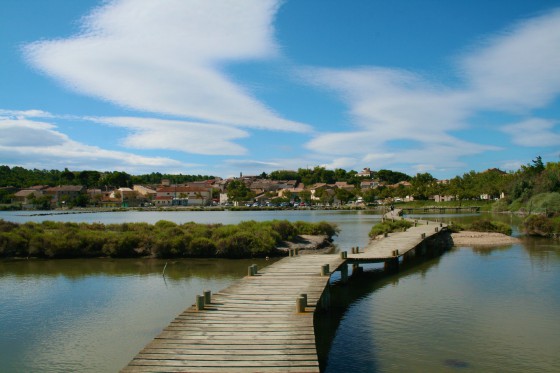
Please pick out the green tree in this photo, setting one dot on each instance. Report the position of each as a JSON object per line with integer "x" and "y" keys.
{"x": 237, "y": 191}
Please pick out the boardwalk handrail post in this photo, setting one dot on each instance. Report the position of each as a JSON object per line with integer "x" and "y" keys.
{"x": 343, "y": 254}
{"x": 436, "y": 229}
{"x": 300, "y": 304}
{"x": 200, "y": 302}
{"x": 255, "y": 269}
{"x": 325, "y": 270}
{"x": 304, "y": 296}
{"x": 207, "y": 297}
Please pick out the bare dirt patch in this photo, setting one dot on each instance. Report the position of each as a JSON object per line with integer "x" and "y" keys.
{"x": 470, "y": 238}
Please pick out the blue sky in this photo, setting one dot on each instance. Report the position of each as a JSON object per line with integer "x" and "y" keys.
{"x": 223, "y": 87}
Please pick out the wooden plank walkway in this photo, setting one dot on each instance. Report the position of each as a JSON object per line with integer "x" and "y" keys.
{"x": 440, "y": 210}
{"x": 253, "y": 326}
{"x": 384, "y": 249}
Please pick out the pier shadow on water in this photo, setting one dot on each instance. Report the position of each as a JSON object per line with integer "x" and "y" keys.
{"x": 362, "y": 282}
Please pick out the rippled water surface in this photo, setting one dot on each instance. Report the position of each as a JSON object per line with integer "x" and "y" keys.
{"x": 490, "y": 310}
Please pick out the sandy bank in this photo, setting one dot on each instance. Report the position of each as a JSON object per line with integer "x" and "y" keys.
{"x": 469, "y": 238}
{"x": 309, "y": 244}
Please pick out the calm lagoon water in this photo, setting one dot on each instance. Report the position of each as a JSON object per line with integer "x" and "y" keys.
{"x": 490, "y": 310}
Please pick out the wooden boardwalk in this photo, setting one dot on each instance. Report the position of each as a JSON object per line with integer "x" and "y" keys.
{"x": 253, "y": 326}
{"x": 399, "y": 243}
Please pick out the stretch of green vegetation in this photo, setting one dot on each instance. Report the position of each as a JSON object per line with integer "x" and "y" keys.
{"x": 164, "y": 239}
{"x": 483, "y": 225}
{"x": 541, "y": 225}
{"x": 388, "y": 226}
{"x": 20, "y": 177}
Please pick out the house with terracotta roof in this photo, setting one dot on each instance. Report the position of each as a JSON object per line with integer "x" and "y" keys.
{"x": 26, "y": 197}
{"x": 63, "y": 193}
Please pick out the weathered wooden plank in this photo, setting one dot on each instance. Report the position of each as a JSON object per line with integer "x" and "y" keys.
{"x": 139, "y": 368}
{"x": 205, "y": 363}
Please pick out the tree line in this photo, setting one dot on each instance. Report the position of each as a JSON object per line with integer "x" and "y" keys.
{"x": 20, "y": 177}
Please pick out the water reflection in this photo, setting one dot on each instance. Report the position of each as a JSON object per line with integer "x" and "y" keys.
{"x": 175, "y": 269}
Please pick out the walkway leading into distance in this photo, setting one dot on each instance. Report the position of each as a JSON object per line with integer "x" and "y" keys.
{"x": 253, "y": 325}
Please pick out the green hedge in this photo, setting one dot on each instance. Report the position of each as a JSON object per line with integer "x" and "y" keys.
{"x": 164, "y": 239}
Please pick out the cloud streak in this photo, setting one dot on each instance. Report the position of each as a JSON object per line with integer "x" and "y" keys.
{"x": 167, "y": 57}
{"x": 34, "y": 144}
{"x": 183, "y": 136}
{"x": 512, "y": 73}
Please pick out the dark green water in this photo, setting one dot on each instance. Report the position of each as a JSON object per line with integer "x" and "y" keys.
{"x": 491, "y": 310}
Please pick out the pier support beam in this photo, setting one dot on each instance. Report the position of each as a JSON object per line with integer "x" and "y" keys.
{"x": 392, "y": 264}
{"x": 344, "y": 273}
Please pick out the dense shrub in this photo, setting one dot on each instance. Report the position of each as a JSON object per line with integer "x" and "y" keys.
{"x": 389, "y": 226}
{"x": 202, "y": 247}
{"x": 547, "y": 203}
{"x": 540, "y": 225}
{"x": 284, "y": 228}
{"x": 164, "y": 239}
{"x": 485, "y": 225}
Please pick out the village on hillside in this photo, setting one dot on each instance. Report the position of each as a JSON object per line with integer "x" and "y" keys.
{"x": 250, "y": 191}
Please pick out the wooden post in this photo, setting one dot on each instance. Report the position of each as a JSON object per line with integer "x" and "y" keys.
{"x": 423, "y": 235}
{"x": 250, "y": 271}
{"x": 385, "y": 234}
{"x": 300, "y": 304}
{"x": 344, "y": 273}
{"x": 207, "y": 297}
{"x": 392, "y": 264}
{"x": 441, "y": 224}
{"x": 357, "y": 249}
{"x": 200, "y": 302}
{"x": 427, "y": 222}
{"x": 436, "y": 229}
{"x": 325, "y": 270}
{"x": 343, "y": 254}
{"x": 255, "y": 269}
{"x": 291, "y": 252}
{"x": 296, "y": 252}
{"x": 304, "y": 296}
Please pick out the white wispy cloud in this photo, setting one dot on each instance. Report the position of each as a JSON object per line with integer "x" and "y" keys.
{"x": 518, "y": 69}
{"x": 34, "y": 144}
{"x": 168, "y": 57}
{"x": 513, "y": 73}
{"x": 535, "y": 132}
{"x": 184, "y": 136}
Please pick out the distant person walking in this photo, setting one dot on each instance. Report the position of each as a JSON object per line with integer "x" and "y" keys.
{"x": 392, "y": 209}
